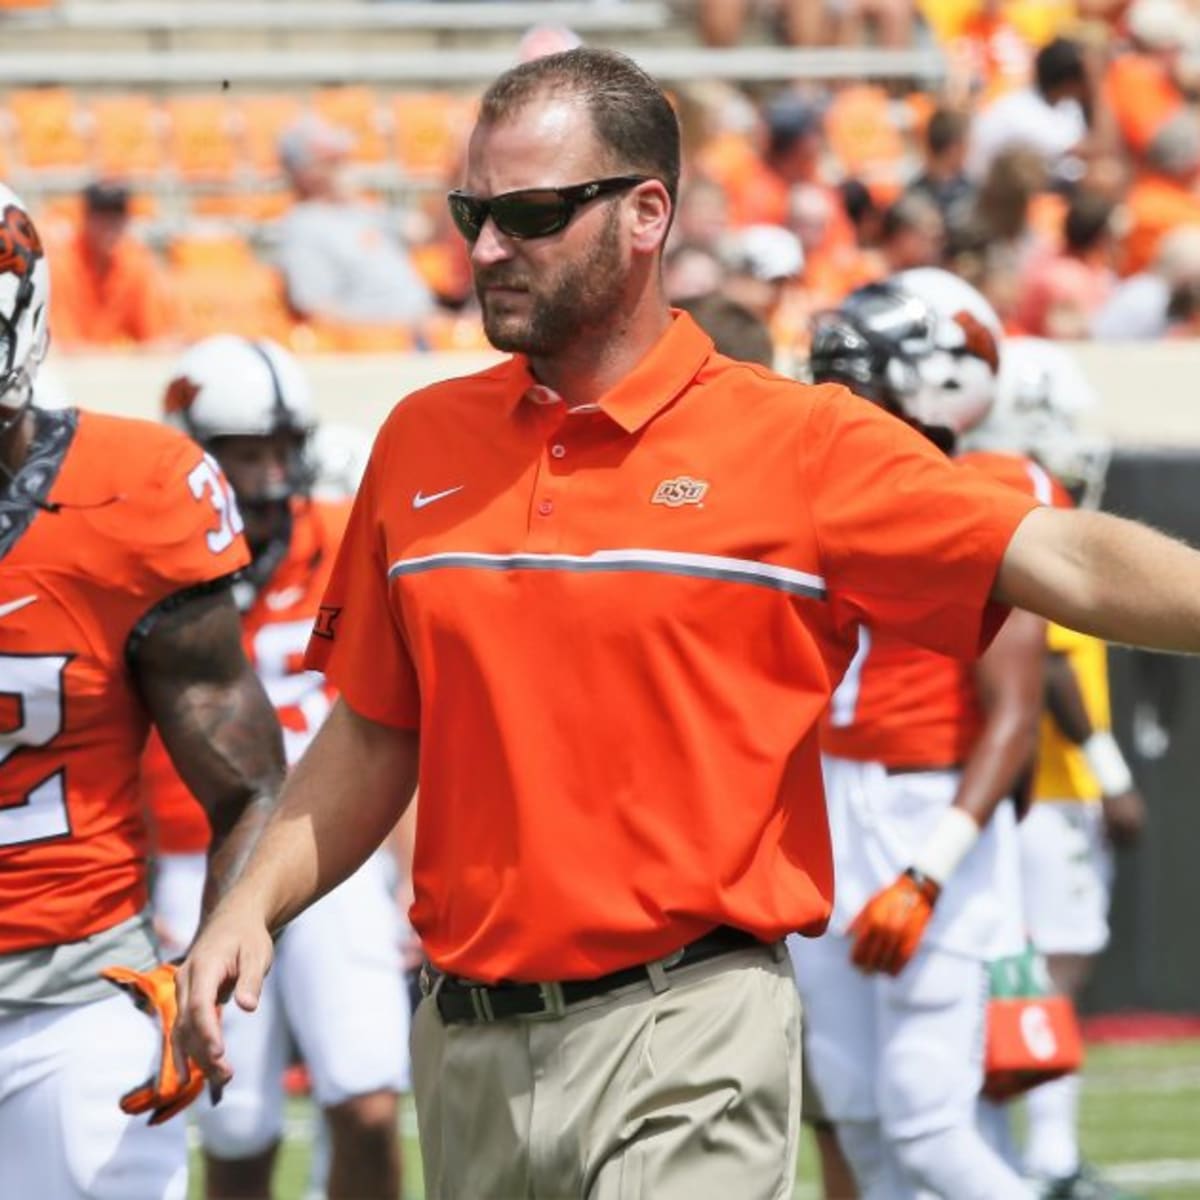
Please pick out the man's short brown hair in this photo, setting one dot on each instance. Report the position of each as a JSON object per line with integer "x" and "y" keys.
{"x": 630, "y": 112}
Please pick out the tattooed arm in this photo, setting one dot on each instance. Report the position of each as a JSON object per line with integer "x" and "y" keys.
{"x": 216, "y": 722}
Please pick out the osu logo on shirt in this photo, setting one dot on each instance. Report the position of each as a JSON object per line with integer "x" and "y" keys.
{"x": 20, "y": 246}
{"x": 683, "y": 489}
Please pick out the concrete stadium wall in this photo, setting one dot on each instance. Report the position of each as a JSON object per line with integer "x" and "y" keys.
{"x": 1150, "y": 393}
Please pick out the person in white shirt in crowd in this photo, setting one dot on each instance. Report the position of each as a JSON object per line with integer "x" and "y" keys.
{"x": 341, "y": 262}
{"x": 1049, "y": 116}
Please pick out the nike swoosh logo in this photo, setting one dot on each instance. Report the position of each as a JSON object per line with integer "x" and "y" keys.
{"x": 420, "y": 501}
{"x": 16, "y": 605}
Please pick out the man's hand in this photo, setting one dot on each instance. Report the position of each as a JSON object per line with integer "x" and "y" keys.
{"x": 178, "y": 1082}
{"x": 1124, "y": 817}
{"x": 230, "y": 957}
{"x": 888, "y": 930}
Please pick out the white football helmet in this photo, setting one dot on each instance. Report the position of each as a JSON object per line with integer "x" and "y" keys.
{"x": 24, "y": 302}
{"x": 1042, "y": 396}
{"x": 339, "y": 456}
{"x": 227, "y": 386}
{"x": 923, "y": 343}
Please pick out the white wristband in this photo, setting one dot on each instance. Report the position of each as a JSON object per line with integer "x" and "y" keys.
{"x": 1107, "y": 763}
{"x": 952, "y": 838}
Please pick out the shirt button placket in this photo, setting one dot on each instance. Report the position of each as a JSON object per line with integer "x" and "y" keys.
{"x": 549, "y": 485}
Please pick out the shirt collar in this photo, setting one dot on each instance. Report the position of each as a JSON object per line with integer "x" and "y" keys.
{"x": 672, "y": 363}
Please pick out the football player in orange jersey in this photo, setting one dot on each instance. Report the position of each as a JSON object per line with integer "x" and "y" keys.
{"x": 922, "y": 752}
{"x": 1083, "y": 797}
{"x": 338, "y": 985}
{"x": 119, "y": 542}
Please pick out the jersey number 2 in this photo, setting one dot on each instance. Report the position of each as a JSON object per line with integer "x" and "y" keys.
{"x": 35, "y": 683}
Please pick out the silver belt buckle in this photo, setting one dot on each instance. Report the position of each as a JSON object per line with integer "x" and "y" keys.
{"x": 554, "y": 1001}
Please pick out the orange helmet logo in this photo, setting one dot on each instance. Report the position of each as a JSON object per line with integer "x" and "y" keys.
{"x": 980, "y": 341}
{"x": 20, "y": 246}
{"x": 180, "y": 394}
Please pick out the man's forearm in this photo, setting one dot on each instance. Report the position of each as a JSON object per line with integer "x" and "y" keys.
{"x": 229, "y": 852}
{"x": 1115, "y": 579}
{"x": 338, "y": 805}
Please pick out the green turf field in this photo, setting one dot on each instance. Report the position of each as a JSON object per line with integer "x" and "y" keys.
{"x": 1141, "y": 1122}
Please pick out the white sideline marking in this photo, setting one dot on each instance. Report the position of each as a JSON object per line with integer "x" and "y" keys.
{"x": 1153, "y": 1171}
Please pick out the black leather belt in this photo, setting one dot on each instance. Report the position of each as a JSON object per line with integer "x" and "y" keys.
{"x": 460, "y": 1000}
{"x": 930, "y": 769}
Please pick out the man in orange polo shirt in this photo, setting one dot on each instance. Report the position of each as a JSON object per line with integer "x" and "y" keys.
{"x": 595, "y": 599}
{"x": 108, "y": 289}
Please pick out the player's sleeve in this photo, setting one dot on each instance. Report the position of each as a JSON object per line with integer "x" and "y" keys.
{"x": 908, "y": 542}
{"x": 184, "y": 527}
{"x": 358, "y": 641}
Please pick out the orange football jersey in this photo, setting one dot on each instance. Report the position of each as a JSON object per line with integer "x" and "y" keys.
{"x": 905, "y": 706}
{"x": 276, "y": 629}
{"x": 131, "y": 513}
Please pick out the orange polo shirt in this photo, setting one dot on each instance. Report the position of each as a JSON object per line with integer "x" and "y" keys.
{"x": 616, "y": 628}
{"x": 902, "y": 705}
{"x": 132, "y": 302}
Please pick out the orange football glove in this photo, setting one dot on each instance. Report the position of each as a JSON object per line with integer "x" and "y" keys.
{"x": 888, "y": 930}
{"x": 167, "y": 1093}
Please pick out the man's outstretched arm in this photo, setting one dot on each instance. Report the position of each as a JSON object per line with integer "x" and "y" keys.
{"x": 1115, "y": 579}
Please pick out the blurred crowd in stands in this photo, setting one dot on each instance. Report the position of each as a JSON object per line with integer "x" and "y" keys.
{"x": 1056, "y": 166}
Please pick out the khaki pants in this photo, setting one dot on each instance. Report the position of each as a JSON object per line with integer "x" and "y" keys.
{"x": 687, "y": 1094}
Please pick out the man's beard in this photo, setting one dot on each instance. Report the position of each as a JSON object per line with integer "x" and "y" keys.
{"x": 585, "y": 295}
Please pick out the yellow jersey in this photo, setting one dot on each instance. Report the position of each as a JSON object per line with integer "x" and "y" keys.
{"x": 1062, "y": 772}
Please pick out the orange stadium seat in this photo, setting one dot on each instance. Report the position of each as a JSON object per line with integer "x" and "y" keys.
{"x": 862, "y": 133}
{"x": 216, "y": 250}
{"x": 50, "y": 128}
{"x": 335, "y": 337}
{"x": 127, "y": 132}
{"x": 222, "y": 288}
{"x": 455, "y": 331}
{"x": 201, "y": 137}
{"x": 245, "y": 206}
{"x": 430, "y": 131}
{"x": 356, "y": 109}
{"x": 264, "y": 118}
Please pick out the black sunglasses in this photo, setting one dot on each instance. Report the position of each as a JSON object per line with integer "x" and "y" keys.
{"x": 532, "y": 212}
